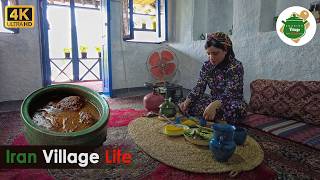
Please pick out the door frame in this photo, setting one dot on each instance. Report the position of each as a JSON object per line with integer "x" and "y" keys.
{"x": 44, "y": 40}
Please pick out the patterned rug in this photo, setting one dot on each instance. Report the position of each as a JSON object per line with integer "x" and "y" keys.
{"x": 134, "y": 102}
{"x": 142, "y": 167}
{"x": 288, "y": 159}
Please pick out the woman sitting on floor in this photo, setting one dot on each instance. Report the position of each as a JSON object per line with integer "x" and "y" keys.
{"x": 223, "y": 74}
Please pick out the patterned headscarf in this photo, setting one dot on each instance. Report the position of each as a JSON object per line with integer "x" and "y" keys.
{"x": 223, "y": 39}
{"x": 220, "y": 37}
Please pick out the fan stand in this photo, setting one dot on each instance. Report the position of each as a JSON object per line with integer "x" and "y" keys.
{"x": 167, "y": 90}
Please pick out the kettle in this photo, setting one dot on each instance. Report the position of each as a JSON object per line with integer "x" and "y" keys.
{"x": 168, "y": 108}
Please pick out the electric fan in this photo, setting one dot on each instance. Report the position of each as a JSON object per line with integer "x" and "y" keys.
{"x": 162, "y": 65}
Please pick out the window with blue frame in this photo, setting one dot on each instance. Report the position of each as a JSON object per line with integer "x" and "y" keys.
{"x": 145, "y": 20}
{"x": 5, "y": 3}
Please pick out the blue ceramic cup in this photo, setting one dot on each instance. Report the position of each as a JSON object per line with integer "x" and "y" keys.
{"x": 178, "y": 120}
{"x": 240, "y": 135}
{"x": 202, "y": 121}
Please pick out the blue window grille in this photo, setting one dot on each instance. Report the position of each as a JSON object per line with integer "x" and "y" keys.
{"x": 145, "y": 21}
{"x": 80, "y": 68}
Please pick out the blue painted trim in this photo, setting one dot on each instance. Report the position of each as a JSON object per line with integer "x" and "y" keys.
{"x": 46, "y": 69}
{"x": 74, "y": 40}
{"x": 105, "y": 94}
{"x": 166, "y": 18}
{"x": 131, "y": 19}
{"x": 104, "y": 53}
{"x": 100, "y": 67}
{"x": 107, "y": 81}
{"x": 159, "y": 17}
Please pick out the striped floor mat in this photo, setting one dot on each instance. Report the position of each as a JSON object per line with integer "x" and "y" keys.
{"x": 294, "y": 130}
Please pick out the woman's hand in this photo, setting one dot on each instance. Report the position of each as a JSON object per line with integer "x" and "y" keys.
{"x": 184, "y": 105}
{"x": 211, "y": 110}
{"x": 209, "y": 114}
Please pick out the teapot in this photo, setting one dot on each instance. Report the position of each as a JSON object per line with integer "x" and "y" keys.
{"x": 168, "y": 108}
{"x": 294, "y": 27}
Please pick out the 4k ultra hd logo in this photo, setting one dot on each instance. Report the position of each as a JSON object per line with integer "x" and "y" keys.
{"x": 20, "y": 16}
{"x": 296, "y": 26}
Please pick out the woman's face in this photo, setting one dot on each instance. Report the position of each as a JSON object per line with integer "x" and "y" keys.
{"x": 215, "y": 55}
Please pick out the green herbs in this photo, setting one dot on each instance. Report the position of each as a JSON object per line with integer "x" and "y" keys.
{"x": 199, "y": 133}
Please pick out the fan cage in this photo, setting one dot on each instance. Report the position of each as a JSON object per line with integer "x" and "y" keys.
{"x": 162, "y": 64}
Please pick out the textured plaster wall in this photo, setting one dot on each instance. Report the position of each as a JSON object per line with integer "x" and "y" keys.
{"x": 222, "y": 9}
{"x": 203, "y": 12}
{"x": 263, "y": 54}
{"x": 128, "y": 58}
{"x": 190, "y": 53}
{"x": 20, "y": 64}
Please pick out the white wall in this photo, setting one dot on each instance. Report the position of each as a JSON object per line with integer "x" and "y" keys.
{"x": 128, "y": 58}
{"x": 263, "y": 54}
{"x": 20, "y": 64}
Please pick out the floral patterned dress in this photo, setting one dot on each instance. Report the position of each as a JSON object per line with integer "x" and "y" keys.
{"x": 226, "y": 83}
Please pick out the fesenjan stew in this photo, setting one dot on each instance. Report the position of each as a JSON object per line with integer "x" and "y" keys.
{"x": 69, "y": 114}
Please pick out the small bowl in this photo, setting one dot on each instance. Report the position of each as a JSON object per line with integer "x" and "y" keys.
{"x": 240, "y": 135}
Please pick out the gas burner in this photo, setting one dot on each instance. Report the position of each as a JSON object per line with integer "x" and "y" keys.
{"x": 168, "y": 90}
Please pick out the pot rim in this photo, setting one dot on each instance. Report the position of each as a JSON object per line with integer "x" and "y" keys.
{"x": 104, "y": 116}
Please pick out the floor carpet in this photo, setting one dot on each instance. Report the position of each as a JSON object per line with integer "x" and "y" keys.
{"x": 289, "y": 160}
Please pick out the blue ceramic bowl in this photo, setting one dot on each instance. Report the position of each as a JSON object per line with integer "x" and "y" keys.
{"x": 240, "y": 135}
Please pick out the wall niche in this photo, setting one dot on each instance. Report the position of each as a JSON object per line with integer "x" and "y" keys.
{"x": 270, "y": 9}
{"x": 212, "y": 16}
